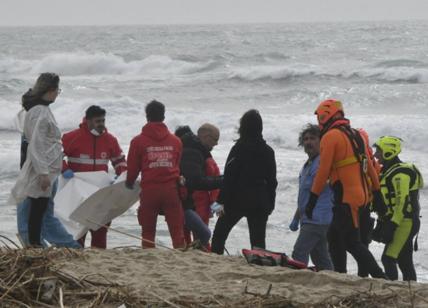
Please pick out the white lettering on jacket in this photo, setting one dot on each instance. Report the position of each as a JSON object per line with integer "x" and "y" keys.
{"x": 160, "y": 156}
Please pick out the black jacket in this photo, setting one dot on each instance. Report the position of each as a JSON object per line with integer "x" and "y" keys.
{"x": 249, "y": 178}
{"x": 192, "y": 167}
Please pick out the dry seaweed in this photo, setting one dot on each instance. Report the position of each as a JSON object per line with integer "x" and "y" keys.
{"x": 30, "y": 277}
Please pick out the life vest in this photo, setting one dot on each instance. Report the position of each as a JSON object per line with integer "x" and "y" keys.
{"x": 264, "y": 257}
{"x": 411, "y": 208}
{"x": 359, "y": 157}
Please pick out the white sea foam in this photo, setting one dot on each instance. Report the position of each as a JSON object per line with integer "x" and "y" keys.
{"x": 279, "y": 128}
{"x": 214, "y": 74}
{"x": 277, "y": 67}
{"x": 286, "y": 72}
{"x": 84, "y": 64}
{"x": 272, "y": 72}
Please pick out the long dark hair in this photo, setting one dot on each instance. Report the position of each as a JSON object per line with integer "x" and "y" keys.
{"x": 250, "y": 126}
{"x": 33, "y": 97}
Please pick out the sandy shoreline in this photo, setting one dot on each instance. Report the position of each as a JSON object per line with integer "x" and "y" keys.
{"x": 132, "y": 277}
{"x": 172, "y": 275}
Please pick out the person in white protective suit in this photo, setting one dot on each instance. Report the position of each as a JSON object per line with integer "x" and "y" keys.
{"x": 44, "y": 154}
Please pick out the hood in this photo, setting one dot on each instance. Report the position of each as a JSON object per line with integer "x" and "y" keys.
{"x": 254, "y": 146}
{"x": 155, "y": 130}
{"x": 29, "y": 100}
{"x": 251, "y": 142}
{"x": 335, "y": 124}
{"x": 190, "y": 140}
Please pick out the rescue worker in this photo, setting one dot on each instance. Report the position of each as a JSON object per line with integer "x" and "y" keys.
{"x": 209, "y": 136}
{"x": 193, "y": 168}
{"x": 156, "y": 154}
{"x": 400, "y": 184}
{"x": 343, "y": 161}
{"x": 312, "y": 239}
{"x": 43, "y": 154}
{"x": 90, "y": 148}
{"x": 249, "y": 186}
{"x": 366, "y": 221}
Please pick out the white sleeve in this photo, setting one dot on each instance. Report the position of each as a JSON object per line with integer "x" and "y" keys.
{"x": 18, "y": 121}
{"x": 37, "y": 127}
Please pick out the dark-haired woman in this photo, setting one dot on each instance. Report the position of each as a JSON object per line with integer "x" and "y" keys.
{"x": 44, "y": 153}
{"x": 249, "y": 186}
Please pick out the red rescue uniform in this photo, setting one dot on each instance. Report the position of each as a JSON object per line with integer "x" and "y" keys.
{"x": 204, "y": 199}
{"x": 156, "y": 153}
{"x": 86, "y": 152}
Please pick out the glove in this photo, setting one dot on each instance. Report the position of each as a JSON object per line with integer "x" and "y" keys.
{"x": 379, "y": 205}
{"x": 217, "y": 208}
{"x": 377, "y": 231}
{"x": 68, "y": 174}
{"x": 130, "y": 186}
{"x": 114, "y": 179}
{"x": 182, "y": 181}
{"x": 311, "y": 205}
{"x": 294, "y": 226}
{"x": 388, "y": 231}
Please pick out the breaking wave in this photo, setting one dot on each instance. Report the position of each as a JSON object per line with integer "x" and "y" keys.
{"x": 77, "y": 64}
{"x": 388, "y": 71}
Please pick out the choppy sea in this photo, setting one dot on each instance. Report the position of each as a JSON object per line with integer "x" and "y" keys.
{"x": 214, "y": 73}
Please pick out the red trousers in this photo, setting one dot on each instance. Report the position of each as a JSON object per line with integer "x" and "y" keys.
{"x": 98, "y": 238}
{"x": 162, "y": 198}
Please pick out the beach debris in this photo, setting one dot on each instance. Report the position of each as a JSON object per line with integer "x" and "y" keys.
{"x": 48, "y": 289}
{"x": 28, "y": 278}
{"x": 38, "y": 278}
{"x": 257, "y": 294}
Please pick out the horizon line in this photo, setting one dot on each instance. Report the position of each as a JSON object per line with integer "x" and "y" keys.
{"x": 218, "y": 23}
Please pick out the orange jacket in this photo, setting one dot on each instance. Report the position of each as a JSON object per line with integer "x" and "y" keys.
{"x": 335, "y": 146}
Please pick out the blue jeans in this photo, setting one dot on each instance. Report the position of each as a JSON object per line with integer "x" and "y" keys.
{"x": 195, "y": 224}
{"x": 52, "y": 230}
{"x": 312, "y": 240}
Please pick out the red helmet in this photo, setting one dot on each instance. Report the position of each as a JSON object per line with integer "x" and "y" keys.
{"x": 327, "y": 109}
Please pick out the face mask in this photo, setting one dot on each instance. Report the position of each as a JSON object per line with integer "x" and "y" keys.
{"x": 95, "y": 132}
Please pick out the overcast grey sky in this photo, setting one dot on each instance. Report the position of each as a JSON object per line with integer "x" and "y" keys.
{"x": 104, "y": 12}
